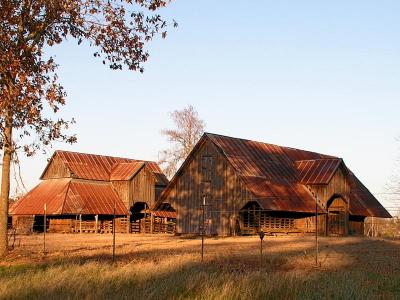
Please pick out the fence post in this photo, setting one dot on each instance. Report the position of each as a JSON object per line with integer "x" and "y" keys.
{"x": 113, "y": 232}
{"x": 261, "y": 234}
{"x": 203, "y": 228}
{"x": 44, "y": 228}
{"x": 316, "y": 230}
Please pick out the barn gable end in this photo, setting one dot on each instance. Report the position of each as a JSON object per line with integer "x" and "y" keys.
{"x": 56, "y": 168}
{"x": 206, "y": 171}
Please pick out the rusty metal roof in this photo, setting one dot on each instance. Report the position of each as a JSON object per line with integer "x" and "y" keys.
{"x": 101, "y": 167}
{"x": 317, "y": 171}
{"x": 161, "y": 179}
{"x": 70, "y": 196}
{"x": 278, "y": 176}
{"x": 164, "y": 214}
{"x": 362, "y": 202}
{"x": 125, "y": 171}
{"x": 267, "y": 172}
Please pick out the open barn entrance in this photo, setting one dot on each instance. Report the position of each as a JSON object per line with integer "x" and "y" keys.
{"x": 337, "y": 216}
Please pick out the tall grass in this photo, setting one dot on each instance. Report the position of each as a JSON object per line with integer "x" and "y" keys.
{"x": 226, "y": 275}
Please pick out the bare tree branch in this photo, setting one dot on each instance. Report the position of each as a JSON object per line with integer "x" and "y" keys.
{"x": 188, "y": 131}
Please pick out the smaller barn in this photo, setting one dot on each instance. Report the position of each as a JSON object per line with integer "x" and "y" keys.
{"x": 249, "y": 186}
{"x": 82, "y": 192}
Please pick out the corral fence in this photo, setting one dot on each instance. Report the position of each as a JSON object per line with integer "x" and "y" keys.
{"x": 148, "y": 225}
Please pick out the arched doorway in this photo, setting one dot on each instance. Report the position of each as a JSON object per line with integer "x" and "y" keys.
{"x": 138, "y": 211}
{"x": 337, "y": 216}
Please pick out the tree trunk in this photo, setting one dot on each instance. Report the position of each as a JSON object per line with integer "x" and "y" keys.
{"x": 5, "y": 185}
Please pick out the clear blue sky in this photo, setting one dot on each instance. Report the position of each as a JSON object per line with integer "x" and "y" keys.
{"x": 316, "y": 75}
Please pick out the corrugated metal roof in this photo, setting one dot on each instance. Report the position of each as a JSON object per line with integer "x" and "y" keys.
{"x": 70, "y": 196}
{"x": 267, "y": 173}
{"x": 101, "y": 167}
{"x": 50, "y": 192}
{"x": 164, "y": 214}
{"x": 272, "y": 172}
{"x": 277, "y": 176}
{"x": 317, "y": 171}
{"x": 158, "y": 173}
{"x": 363, "y": 203}
{"x": 125, "y": 171}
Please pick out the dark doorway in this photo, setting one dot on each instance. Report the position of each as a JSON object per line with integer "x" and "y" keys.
{"x": 337, "y": 217}
{"x": 138, "y": 211}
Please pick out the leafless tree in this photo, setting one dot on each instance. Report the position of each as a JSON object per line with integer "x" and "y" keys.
{"x": 188, "y": 131}
{"x": 393, "y": 187}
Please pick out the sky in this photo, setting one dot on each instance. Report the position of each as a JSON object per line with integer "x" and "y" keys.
{"x": 315, "y": 75}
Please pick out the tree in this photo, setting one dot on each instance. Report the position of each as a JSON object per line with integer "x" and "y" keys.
{"x": 29, "y": 89}
{"x": 393, "y": 187}
{"x": 189, "y": 129}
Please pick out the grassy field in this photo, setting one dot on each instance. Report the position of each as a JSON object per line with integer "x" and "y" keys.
{"x": 166, "y": 267}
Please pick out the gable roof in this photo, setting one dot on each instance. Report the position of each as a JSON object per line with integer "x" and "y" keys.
{"x": 317, "y": 171}
{"x": 102, "y": 168}
{"x": 70, "y": 196}
{"x": 278, "y": 175}
{"x": 125, "y": 171}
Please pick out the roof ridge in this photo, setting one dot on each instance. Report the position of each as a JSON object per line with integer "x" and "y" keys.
{"x": 102, "y": 155}
{"x": 265, "y": 143}
{"x": 329, "y": 158}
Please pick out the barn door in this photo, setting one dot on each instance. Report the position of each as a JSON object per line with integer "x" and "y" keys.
{"x": 337, "y": 217}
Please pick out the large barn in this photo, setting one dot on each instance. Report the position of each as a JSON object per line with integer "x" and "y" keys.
{"x": 250, "y": 186}
{"x": 86, "y": 190}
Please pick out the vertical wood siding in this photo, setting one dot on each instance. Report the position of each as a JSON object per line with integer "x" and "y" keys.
{"x": 142, "y": 188}
{"x": 56, "y": 169}
{"x": 337, "y": 185}
{"x": 227, "y": 195}
{"x": 123, "y": 191}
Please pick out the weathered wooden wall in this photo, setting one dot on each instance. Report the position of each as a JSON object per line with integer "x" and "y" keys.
{"x": 142, "y": 188}
{"x": 337, "y": 186}
{"x": 123, "y": 190}
{"x": 226, "y": 193}
{"x": 56, "y": 169}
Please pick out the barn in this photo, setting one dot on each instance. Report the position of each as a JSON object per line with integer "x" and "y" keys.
{"x": 82, "y": 193}
{"x": 242, "y": 186}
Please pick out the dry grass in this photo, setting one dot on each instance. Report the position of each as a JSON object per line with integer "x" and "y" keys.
{"x": 165, "y": 267}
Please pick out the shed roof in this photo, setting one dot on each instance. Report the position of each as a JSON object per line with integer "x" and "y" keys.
{"x": 70, "y": 196}
{"x": 102, "y": 168}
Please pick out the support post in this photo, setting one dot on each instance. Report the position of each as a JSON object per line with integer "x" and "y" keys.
{"x": 151, "y": 223}
{"x": 128, "y": 224}
{"x": 261, "y": 234}
{"x": 44, "y": 228}
{"x": 203, "y": 228}
{"x": 113, "y": 231}
{"x": 80, "y": 223}
{"x": 316, "y": 230}
{"x": 96, "y": 218}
